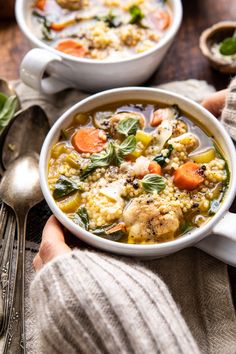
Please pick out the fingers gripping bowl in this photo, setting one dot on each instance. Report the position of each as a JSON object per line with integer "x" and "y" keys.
{"x": 149, "y": 173}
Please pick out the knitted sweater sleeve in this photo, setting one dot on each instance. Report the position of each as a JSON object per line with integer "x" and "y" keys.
{"x": 88, "y": 302}
{"x": 228, "y": 117}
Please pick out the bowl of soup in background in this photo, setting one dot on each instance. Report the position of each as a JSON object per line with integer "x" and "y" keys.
{"x": 216, "y": 236}
{"x": 65, "y": 70}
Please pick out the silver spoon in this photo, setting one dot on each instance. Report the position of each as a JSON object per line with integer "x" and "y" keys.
{"x": 33, "y": 123}
{"x": 20, "y": 189}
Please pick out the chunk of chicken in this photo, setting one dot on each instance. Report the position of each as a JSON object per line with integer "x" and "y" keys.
{"x": 149, "y": 223}
{"x": 72, "y": 4}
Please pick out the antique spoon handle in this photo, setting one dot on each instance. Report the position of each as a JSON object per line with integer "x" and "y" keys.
{"x": 6, "y": 270}
{"x": 15, "y": 336}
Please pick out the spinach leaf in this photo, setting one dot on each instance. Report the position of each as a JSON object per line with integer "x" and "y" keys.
{"x": 110, "y": 19}
{"x": 114, "y": 154}
{"x": 153, "y": 183}
{"x": 128, "y": 126}
{"x": 103, "y": 231}
{"x": 215, "y": 204}
{"x": 162, "y": 159}
{"x": 8, "y": 110}
{"x": 81, "y": 218}
{"x": 186, "y": 227}
{"x": 46, "y": 26}
{"x": 65, "y": 186}
{"x": 136, "y": 15}
{"x": 228, "y": 46}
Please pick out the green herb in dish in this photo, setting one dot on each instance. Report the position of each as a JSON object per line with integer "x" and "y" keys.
{"x": 128, "y": 126}
{"x": 228, "y": 46}
{"x": 186, "y": 227}
{"x": 109, "y": 232}
{"x": 162, "y": 159}
{"x": 110, "y": 19}
{"x": 81, "y": 218}
{"x": 46, "y": 26}
{"x": 65, "y": 186}
{"x": 153, "y": 183}
{"x": 136, "y": 16}
{"x": 114, "y": 154}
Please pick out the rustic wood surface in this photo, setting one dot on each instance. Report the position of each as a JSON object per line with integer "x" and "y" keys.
{"x": 183, "y": 61}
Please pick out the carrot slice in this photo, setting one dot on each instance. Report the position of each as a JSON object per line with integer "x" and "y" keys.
{"x": 89, "y": 140}
{"x": 157, "y": 118}
{"x": 162, "y": 18}
{"x": 154, "y": 167}
{"x": 116, "y": 228}
{"x": 71, "y": 47}
{"x": 188, "y": 176}
{"x": 40, "y": 4}
{"x": 60, "y": 26}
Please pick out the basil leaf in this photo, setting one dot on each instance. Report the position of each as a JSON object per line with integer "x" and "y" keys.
{"x": 81, "y": 218}
{"x": 65, "y": 186}
{"x": 8, "y": 110}
{"x": 153, "y": 183}
{"x": 128, "y": 126}
{"x": 104, "y": 159}
{"x": 162, "y": 159}
{"x": 228, "y": 46}
{"x": 215, "y": 204}
{"x": 128, "y": 145}
{"x": 110, "y": 19}
{"x": 136, "y": 15}
{"x": 112, "y": 155}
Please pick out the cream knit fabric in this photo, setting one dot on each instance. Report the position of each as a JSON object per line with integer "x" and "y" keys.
{"x": 91, "y": 302}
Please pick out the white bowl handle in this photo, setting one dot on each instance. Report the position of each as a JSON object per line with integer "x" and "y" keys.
{"x": 222, "y": 242}
{"x": 33, "y": 68}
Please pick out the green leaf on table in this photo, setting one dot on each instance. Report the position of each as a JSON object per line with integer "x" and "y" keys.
{"x": 128, "y": 126}
{"x": 153, "y": 183}
{"x": 3, "y": 99}
{"x": 65, "y": 186}
{"x": 7, "y": 111}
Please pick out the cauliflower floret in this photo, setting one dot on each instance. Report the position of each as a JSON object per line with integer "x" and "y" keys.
{"x": 149, "y": 223}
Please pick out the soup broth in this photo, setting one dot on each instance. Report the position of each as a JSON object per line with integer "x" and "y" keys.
{"x": 101, "y": 29}
{"x": 137, "y": 172}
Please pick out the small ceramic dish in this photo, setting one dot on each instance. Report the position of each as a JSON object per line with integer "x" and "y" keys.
{"x": 209, "y": 44}
{"x": 217, "y": 236}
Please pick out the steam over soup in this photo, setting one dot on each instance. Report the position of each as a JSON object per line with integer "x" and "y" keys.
{"x": 137, "y": 172}
{"x": 101, "y": 29}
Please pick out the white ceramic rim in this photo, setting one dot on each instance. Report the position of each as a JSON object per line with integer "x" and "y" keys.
{"x": 188, "y": 239}
{"x": 177, "y": 19}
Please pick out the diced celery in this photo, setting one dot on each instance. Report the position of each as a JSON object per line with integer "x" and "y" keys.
{"x": 205, "y": 156}
{"x": 143, "y": 137}
{"x": 70, "y": 204}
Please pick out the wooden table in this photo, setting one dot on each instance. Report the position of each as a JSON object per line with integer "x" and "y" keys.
{"x": 183, "y": 61}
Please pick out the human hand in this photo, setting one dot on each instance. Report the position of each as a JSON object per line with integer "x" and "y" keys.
{"x": 52, "y": 245}
{"x": 215, "y": 102}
